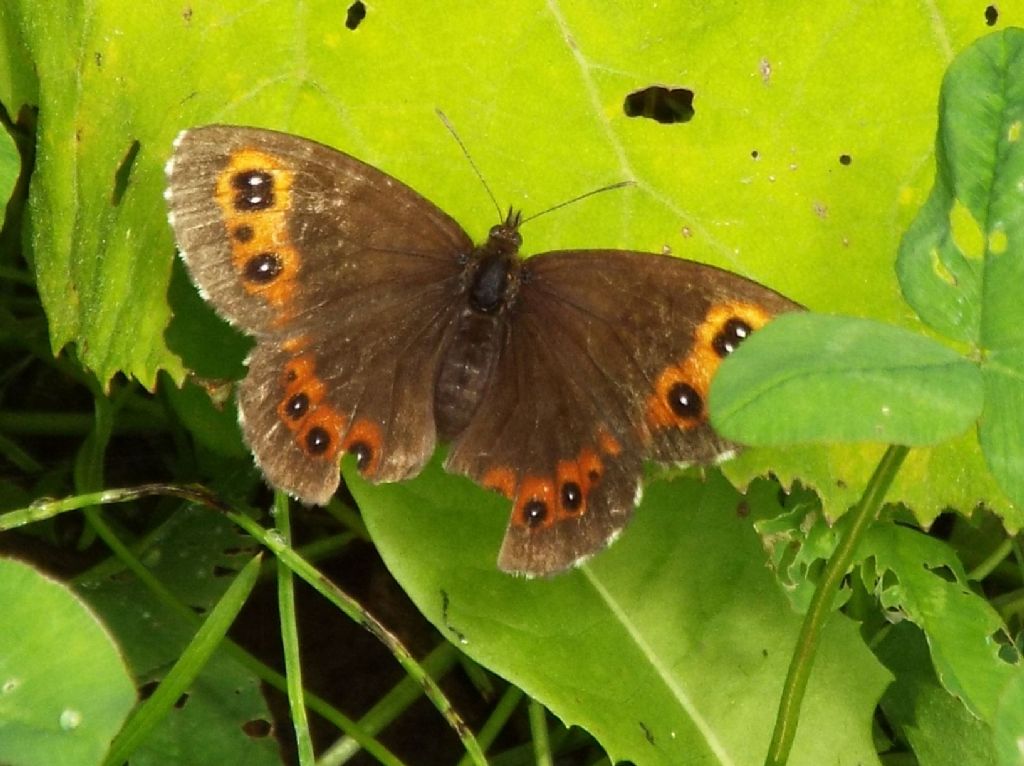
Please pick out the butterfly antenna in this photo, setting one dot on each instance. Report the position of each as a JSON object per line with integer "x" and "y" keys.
{"x": 465, "y": 151}
{"x": 591, "y": 193}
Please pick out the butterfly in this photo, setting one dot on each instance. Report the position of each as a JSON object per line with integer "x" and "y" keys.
{"x": 381, "y": 330}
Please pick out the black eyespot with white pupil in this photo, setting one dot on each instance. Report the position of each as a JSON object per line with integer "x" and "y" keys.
{"x": 732, "y": 334}
{"x": 572, "y": 496}
{"x": 318, "y": 441}
{"x": 534, "y": 513}
{"x": 297, "y": 406}
{"x": 685, "y": 401}
{"x": 263, "y": 268}
{"x": 254, "y": 190}
{"x": 363, "y": 453}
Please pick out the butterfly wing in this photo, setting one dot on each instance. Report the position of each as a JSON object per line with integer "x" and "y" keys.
{"x": 607, "y": 362}
{"x": 345, "y": 277}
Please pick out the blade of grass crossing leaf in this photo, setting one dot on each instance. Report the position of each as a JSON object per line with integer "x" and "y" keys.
{"x": 183, "y": 673}
{"x": 497, "y": 719}
{"x": 355, "y": 611}
{"x": 290, "y": 638}
{"x": 821, "y": 605}
{"x": 539, "y": 730}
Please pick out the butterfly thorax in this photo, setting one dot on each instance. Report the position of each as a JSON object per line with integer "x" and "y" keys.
{"x": 492, "y": 269}
{"x": 491, "y": 280}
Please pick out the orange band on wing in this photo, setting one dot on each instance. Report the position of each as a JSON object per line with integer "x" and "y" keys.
{"x": 681, "y": 388}
{"x": 254, "y": 193}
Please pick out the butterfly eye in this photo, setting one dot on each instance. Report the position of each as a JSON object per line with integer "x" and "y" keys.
{"x": 729, "y": 338}
{"x": 685, "y": 401}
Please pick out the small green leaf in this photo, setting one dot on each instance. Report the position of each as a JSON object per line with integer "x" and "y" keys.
{"x": 920, "y": 579}
{"x": 961, "y": 263}
{"x": 64, "y": 687}
{"x": 816, "y": 378}
{"x": 941, "y": 731}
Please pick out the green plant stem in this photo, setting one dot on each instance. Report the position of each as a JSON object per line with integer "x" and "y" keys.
{"x": 539, "y": 730}
{"x": 290, "y": 638}
{"x": 821, "y": 604}
{"x": 993, "y": 560}
{"x": 492, "y": 727}
{"x": 356, "y": 612}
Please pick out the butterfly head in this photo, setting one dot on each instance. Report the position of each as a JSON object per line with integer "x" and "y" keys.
{"x": 504, "y": 237}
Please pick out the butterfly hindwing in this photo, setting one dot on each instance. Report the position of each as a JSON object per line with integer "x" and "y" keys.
{"x": 608, "y": 361}
{"x": 345, "y": 277}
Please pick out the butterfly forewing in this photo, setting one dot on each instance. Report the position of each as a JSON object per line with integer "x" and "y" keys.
{"x": 346, "y": 277}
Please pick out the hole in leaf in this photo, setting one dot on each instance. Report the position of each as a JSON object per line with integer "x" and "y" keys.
{"x": 257, "y": 728}
{"x": 943, "y": 571}
{"x": 991, "y": 15}
{"x": 666, "y": 105}
{"x": 180, "y": 702}
{"x": 147, "y": 689}
{"x": 124, "y": 171}
{"x": 356, "y": 14}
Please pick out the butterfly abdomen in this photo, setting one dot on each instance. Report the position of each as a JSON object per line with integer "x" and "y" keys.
{"x": 490, "y": 283}
{"x": 466, "y": 368}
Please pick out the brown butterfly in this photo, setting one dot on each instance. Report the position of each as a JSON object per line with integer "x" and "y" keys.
{"x": 381, "y": 329}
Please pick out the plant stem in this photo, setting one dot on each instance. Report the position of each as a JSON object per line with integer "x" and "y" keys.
{"x": 821, "y": 605}
{"x": 290, "y": 638}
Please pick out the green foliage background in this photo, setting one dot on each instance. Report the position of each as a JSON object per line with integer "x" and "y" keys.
{"x": 810, "y": 154}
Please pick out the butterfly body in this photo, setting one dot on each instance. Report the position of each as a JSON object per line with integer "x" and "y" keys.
{"x": 491, "y": 277}
{"x": 382, "y": 329}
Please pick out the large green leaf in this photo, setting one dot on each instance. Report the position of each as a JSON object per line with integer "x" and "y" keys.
{"x": 754, "y": 181}
{"x": 670, "y": 648}
{"x": 64, "y": 687}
